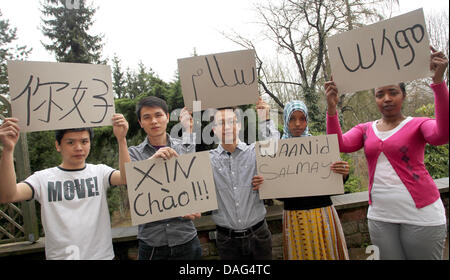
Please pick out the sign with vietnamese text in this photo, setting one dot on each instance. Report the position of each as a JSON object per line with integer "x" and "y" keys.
{"x": 160, "y": 189}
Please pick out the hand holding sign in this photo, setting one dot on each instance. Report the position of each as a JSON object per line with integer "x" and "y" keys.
{"x": 257, "y": 181}
{"x": 192, "y": 216}
{"x": 186, "y": 119}
{"x": 332, "y": 95}
{"x": 438, "y": 64}
{"x": 9, "y": 133}
{"x": 120, "y": 126}
{"x": 165, "y": 153}
{"x": 263, "y": 110}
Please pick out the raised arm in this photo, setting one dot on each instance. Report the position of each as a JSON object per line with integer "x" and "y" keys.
{"x": 188, "y": 137}
{"x": 10, "y": 191}
{"x": 436, "y": 132}
{"x": 120, "y": 129}
{"x": 351, "y": 141}
{"x": 267, "y": 127}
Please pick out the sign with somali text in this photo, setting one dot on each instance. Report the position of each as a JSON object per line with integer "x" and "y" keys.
{"x": 298, "y": 167}
{"x": 50, "y": 95}
{"x": 388, "y": 52}
{"x": 219, "y": 80}
{"x": 160, "y": 189}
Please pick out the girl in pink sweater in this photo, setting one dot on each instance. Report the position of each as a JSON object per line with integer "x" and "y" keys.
{"x": 406, "y": 216}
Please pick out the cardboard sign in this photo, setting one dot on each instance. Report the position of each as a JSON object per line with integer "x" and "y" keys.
{"x": 160, "y": 189}
{"x": 298, "y": 167}
{"x": 219, "y": 80}
{"x": 385, "y": 53}
{"x": 49, "y": 95}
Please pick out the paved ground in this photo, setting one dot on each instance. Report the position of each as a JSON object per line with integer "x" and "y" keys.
{"x": 360, "y": 254}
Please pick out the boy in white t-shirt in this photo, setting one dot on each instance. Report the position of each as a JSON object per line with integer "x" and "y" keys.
{"x": 72, "y": 195}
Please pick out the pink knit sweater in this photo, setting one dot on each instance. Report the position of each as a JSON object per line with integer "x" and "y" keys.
{"x": 405, "y": 149}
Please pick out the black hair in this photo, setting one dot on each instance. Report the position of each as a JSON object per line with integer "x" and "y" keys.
{"x": 402, "y": 87}
{"x": 59, "y": 134}
{"x": 233, "y": 109}
{"x": 151, "y": 101}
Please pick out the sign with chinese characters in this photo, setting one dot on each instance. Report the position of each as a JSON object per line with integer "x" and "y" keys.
{"x": 297, "y": 167}
{"x": 219, "y": 80}
{"x": 50, "y": 96}
{"x": 388, "y": 52}
{"x": 161, "y": 189}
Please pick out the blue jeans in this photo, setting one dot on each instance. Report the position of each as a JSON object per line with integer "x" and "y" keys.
{"x": 191, "y": 250}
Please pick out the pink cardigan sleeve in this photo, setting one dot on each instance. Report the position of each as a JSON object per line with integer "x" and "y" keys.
{"x": 436, "y": 131}
{"x": 351, "y": 141}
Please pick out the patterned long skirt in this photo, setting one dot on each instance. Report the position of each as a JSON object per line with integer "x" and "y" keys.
{"x": 314, "y": 234}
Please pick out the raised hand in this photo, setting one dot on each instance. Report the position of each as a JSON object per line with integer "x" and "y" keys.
{"x": 332, "y": 95}
{"x": 165, "y": 153}
{"x": 263, "y": 109}
{"x": 438, "y": 64}
{"x": 9, "y": 133}
{"x": 186, "y": 119}
{"x": 120, "y": 126}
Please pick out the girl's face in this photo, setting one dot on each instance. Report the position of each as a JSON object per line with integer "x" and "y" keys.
{"x": 297, "y": 123}
{"x": 389, "y": 100}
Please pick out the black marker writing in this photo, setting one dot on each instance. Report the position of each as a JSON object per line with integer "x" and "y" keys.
{"x": 309, "y": 147}
{"x": 302, "y": 167}
{"x": 76, "y": 103}
{"x": 219, "y": 82}
{"x": 168, "y": 201}
{"x": 36, "y": 95}
{"x": 402, "y": 41}
{"x": 360, "y": 65}
{"x": 101, "y": 97}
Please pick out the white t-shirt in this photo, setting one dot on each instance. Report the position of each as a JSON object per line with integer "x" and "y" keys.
{"x": 391, "y": 200}
{"x": 74, "y": 211}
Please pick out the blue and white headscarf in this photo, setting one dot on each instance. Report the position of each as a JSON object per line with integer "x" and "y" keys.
{"x": 291, "y": 107}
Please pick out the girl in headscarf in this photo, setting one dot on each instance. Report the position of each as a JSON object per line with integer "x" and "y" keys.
{"x": 311, "y": 226}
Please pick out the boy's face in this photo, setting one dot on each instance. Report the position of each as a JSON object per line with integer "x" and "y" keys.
{"x": 154, "y": 121}
{"x": 74, "y": 149}
{"x": 226, "y": 127}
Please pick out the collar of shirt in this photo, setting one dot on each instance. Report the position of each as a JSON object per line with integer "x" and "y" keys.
{"x": 241, "y": 146}
{"x": 147, "y": 143}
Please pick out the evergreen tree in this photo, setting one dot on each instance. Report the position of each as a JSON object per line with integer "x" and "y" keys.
{"x": 8, "y": 52}
{"x": 118, "y": 79}
{"x": 68, "y": 29}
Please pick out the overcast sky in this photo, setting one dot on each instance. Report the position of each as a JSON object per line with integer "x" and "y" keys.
{"x": 158, "y": 32}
